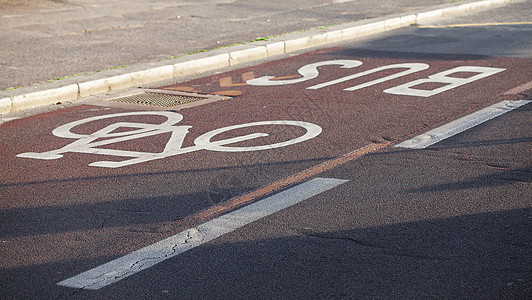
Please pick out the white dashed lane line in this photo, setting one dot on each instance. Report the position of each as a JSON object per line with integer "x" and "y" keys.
{"x": 460, "y": 125}
{"x": 151, "y": 255}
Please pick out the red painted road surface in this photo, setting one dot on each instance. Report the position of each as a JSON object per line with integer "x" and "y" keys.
{"x": 63, "y": 216}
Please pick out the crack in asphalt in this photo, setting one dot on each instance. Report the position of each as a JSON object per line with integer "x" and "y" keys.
{"x": 388, "y": 251}
{"x": 361, "y": 243}
{"x": 148, "y": 256}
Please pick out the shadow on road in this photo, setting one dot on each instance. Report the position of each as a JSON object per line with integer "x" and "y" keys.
{"x": 484, "y": 255}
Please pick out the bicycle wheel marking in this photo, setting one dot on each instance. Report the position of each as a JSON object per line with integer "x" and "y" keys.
{"x": 109, "y": 135}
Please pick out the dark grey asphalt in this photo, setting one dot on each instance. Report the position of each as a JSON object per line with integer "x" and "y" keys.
{"x": 497, "y": 38}
{"x": 451, "y": 221}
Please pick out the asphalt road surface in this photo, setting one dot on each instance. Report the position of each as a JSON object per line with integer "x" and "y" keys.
{"x": 294, "y": 185}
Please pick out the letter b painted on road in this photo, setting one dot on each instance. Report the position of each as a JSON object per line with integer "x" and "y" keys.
{"x": 443, "y": 78}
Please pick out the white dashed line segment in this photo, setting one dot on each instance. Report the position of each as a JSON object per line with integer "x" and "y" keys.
{"x": 460, "y": 125}
{"x": 151, "y": 255}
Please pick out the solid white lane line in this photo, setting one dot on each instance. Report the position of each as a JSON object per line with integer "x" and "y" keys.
{"x": 146, "y": 257}
{"x": 436, "y": 135}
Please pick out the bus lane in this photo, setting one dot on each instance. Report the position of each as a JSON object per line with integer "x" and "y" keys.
{"x": 123, "y": 178}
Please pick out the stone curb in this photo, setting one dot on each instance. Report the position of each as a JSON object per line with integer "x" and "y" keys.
{"x": 233, "y": 55}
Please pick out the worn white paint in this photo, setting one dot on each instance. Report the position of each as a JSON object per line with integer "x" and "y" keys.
{"x": 436, "y": 135}
{"x": 151, "y": 255}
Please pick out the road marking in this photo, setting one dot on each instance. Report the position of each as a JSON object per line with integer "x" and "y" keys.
{"x": 519, "y": 89}
{"x": 286, "y": 182}
{"x": 476, "y": 24}
{"x": 310, "y": 71}
{"x": 228, "y": 81}
{"x": 307, "y": 72}
{"x": 436, "y": 135}
{"x": 450, "y": 82}
{"x": 151, "y": 255}
{"x": 108, "y": 135}
{"x": 412, "y": 68}
{"x": 223, "y": 223}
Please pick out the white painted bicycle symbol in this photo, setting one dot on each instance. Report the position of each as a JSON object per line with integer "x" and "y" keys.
{"x": 114, "y": 133}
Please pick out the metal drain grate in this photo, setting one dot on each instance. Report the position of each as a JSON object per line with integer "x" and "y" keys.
{"x": 158, "y": 99}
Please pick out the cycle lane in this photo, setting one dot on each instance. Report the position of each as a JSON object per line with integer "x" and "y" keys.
{"x": 119, "y": 210}
{"x": 451, "y": 220}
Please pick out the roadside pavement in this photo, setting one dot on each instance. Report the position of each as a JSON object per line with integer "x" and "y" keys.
{"x": 59, "y": 51}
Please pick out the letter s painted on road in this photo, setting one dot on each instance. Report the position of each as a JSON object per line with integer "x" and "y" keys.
{"x": 308, "y": 72}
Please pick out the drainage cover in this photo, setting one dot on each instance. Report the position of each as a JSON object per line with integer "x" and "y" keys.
{"x": 158, "y": 99}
